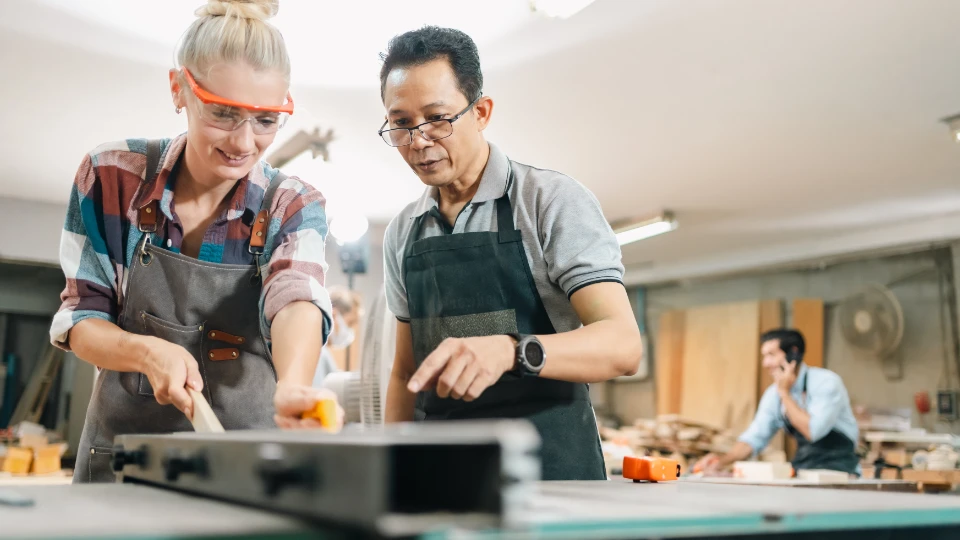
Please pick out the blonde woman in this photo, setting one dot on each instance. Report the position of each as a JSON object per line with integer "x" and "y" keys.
{"x": 190, "y": 262}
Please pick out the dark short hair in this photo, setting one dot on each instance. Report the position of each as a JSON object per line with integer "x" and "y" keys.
{"x": 429, "y": 43}
{"x": 788, "y": 337}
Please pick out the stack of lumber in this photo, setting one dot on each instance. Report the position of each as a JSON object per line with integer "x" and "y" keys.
{"x": 668, "y": 435}
{"x": 31, "y": 452}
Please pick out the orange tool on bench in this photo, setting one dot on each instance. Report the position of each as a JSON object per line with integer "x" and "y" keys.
{"x": 650, "y": 469}
{"x": 323, "y": 411}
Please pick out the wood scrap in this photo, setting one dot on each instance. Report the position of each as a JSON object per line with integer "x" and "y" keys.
{"x": 670, "y": 436}
{"x": 46, "y": 459}
{"x": 17, "y": 460}
{"x": 759, "y": 470}
{"x": 204, "y": 419}
{"x": 823, "y": 476}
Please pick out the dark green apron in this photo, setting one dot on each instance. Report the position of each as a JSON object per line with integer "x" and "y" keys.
{"x": 479, "y": 284}
{"x": 835, "y": 451}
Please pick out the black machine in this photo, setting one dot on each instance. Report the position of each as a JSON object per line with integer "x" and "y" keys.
{"x": 398, "y": 480}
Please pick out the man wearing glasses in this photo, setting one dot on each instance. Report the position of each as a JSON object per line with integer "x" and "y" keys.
{"x": 506, "y": 279}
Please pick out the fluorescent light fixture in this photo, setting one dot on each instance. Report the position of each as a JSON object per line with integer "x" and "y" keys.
{"x": 954, "y": 123}
{"x": 634, "y": 231}
{"x": 560, "y": 9}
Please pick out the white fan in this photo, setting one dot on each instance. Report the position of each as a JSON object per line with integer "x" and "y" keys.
{"x": 362, "y": 394}
{"x": 872, "y": 320}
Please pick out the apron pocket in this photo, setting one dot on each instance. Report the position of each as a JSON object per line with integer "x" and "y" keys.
{"x": 188, "y": 337}
{"x": 100, "y": 466}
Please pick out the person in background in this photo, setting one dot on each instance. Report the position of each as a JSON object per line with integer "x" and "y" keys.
{"x": 347, "y": 312}
{"x": 810, "y": 403}
{"x": 190, "y": 263}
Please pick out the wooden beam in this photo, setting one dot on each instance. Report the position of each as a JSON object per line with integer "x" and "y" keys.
{"x": 771, "y": 317}
{"x": 808, "y": 319}
{"x": 668, "y": 362}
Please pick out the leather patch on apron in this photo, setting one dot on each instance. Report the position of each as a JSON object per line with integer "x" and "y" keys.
{"x": 223, "y": 354}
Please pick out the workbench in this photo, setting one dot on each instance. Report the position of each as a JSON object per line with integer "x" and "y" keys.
{"x": 861, "y": 484}
{"x": 559, "y": 510}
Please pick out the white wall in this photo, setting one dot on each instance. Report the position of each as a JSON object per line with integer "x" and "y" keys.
{"x": 30, "y": 231}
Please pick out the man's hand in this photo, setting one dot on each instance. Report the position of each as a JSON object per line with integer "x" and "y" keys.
{"x": 291, "y": 400}
{"x": 713, "y": 465}
{"x": 708, "y": 465}
{"x": 462, "y": 368}
{"x": 786, "y": 377}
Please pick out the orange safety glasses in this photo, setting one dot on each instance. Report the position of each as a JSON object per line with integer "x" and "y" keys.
{"x": 210, "y": 98}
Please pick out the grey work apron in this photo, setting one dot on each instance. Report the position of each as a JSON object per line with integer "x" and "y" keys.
{"x": 835, "y": 451}
{"x": 479, "y": 284}
{"x": 212, "y": 310}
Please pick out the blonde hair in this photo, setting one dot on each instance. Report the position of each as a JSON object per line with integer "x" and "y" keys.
{"x": 231, "y": 31}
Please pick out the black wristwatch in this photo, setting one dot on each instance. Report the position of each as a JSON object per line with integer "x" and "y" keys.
{"x": 530, "y": 355}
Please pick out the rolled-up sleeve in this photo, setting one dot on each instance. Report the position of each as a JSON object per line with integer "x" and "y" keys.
{"x": 296, "y": 252}
{"x": 766, "y": 423}
{"x": 90, "y": 273}
{"x": 392, "y": 272}
{"x": 578, "y": 244}
{"x": 827, "y": 400}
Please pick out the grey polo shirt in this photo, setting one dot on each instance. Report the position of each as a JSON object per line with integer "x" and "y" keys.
{"x": 568, "y": 242}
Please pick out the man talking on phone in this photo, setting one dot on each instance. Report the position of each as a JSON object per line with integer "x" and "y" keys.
{"x": 810, "y": 403}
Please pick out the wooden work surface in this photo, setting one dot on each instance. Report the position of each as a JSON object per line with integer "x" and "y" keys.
{"x": 60, "y": 478}
{"x": 862, "y": 484}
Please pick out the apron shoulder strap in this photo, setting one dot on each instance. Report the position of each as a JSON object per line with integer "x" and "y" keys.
{"x": 148, "y": 214}
{"x": 258, "y": 233}
{"x": 154, "y": 150}
{"x": 506, "y": 231}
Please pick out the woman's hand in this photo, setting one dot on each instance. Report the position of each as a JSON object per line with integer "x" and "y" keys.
{"x": 292, "y": 400}
{"x": 170, "y": 368}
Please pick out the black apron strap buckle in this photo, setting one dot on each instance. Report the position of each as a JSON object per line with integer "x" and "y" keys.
{"x": 147, "y": 215}
{"x": 506, "y": 232}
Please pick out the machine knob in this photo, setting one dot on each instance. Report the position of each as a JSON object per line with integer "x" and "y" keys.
{"x": 174, "y": 465}
{"x": 122, "y": 458}
{"x": 277, "y": 475}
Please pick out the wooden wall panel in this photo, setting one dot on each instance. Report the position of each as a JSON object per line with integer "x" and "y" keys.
{"x": 808, "y": 319}
{"x": 720, "y": 367}
{"x": 771, "y": 317}
{"x": 668, "y": 362}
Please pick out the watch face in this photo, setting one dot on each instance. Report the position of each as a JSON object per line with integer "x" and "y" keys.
{"x": 533, "y": 352}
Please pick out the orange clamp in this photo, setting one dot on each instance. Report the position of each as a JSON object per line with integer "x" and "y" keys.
{"x": 650, "y": 469}
{"x": 323, "y": 411}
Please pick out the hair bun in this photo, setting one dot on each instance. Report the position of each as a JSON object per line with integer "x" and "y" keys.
{"x": 244, "y": 9}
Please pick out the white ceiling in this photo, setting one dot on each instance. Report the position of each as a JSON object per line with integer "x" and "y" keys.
{"x": 774, "y": 129}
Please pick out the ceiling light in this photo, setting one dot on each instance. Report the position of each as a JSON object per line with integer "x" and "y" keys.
{"x": 954, "y": 123}
{"x": 633, "y": 231}
{"x": 348, "y": 226}
{"x": 558, "y": 8}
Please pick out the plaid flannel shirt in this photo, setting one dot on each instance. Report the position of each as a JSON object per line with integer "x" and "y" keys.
{"x": 100, "y": 234}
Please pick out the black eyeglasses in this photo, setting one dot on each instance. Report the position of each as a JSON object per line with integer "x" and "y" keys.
{"x": 431, "y": 131}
